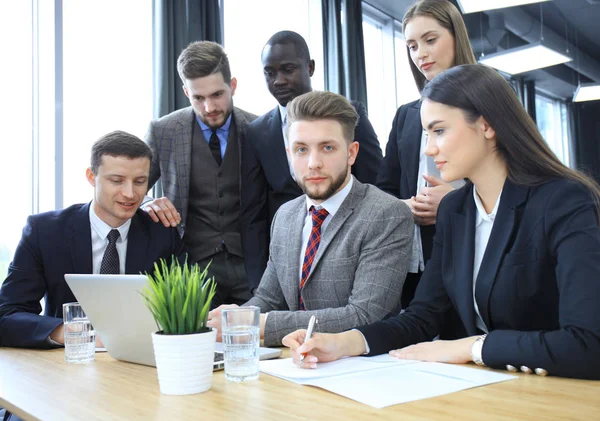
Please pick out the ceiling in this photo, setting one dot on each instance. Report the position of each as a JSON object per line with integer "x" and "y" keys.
{"x": 572, "y": 24}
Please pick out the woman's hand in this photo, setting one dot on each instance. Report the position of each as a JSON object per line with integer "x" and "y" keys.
{"x": 454, "y": 352}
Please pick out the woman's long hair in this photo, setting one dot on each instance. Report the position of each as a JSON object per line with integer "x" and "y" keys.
{"x": 479, "y": 91}
{"x": 450, "y": 18}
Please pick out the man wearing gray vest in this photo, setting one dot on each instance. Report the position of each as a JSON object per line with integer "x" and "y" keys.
{"x": 197, "y": 157}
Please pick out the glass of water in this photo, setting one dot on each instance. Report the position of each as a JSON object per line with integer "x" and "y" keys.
{"x": 80, "y": 337}
{"x": 241, "y": 337}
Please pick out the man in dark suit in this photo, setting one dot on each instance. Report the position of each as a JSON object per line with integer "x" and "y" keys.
{"x": 109, "y": 235}
{"x": 266, "y": 169}
{"x": 197, "y": 157}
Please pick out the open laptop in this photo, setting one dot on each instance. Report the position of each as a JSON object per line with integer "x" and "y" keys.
{"x": 117, "y": 310}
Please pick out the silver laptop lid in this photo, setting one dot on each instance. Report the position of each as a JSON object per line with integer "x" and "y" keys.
{"x": 116, "y": 309}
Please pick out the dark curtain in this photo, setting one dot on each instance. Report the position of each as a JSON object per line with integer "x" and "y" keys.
{"x": 176, "y": 23}
{"x": 526, "y": 92}
{"x": 344, "y": 50}
{"x": 587, "y": 135}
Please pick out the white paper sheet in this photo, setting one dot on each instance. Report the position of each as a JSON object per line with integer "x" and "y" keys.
{"x": 383, "y": 381}
{"x": 286, "y": 369}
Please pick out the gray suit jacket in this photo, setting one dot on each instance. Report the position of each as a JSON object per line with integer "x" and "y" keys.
{"x": 358, "y": 272}
{"x": 170, "y": 139}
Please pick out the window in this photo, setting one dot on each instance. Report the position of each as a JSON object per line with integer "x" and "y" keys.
{"x": 552, "y": 121}
{"x": 107, "y": 80}
{"x": 390, "y": 83}
{"x": 406, "y": 88}
{"x": 245, "y": 38}
{"x": 16, "y": 147}
{"x": 63, "y": 97}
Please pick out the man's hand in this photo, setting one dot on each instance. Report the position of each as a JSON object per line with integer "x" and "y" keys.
{"x": 323, "y": 347}
{"x": 214, "y": 318}
{"x": 453, "y": 352}
{"x": 58, "y": 334}
{"x": 426, "y": 203}
{"x": 162, "y": 210}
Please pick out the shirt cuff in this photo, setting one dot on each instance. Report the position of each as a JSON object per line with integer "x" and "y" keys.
{"x": 51, "y": 341}
{"x": 364, "y": 339}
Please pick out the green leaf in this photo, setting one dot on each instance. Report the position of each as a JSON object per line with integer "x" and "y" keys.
{"x": 179, "y": 297}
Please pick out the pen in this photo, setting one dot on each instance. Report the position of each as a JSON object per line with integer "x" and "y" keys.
{"x": 311, "y": 326}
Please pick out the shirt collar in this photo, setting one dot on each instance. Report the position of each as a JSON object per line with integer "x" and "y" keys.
{"x": 282, "y": 113}
{"x": 223, "y": 128}
{"x": 482, "y": 215}
{"x": 102, "y": 228}
{"x": 332, "y": 204}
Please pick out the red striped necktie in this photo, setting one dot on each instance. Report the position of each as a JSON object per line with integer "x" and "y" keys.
{"x": 318, "y": 216}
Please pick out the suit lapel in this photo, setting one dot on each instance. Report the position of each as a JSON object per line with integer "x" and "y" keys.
{"x": 292, "y": 288}
{"x": 276, "y": 149}
{"x": 183, "y": 154}
{"x": 80, "y": 240}
{"x": 504, "y": 224}
{"x": 355, "y": 196}
{"x": 463, "y": 233}
{"x": 410, "y": 149}
{"x": 137, "y": 242}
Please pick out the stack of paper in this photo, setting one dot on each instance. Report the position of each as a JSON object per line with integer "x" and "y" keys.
{"x": 382, "y": 380}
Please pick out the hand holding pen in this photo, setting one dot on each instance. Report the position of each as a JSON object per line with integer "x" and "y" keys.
{"x": 309, "y": 330}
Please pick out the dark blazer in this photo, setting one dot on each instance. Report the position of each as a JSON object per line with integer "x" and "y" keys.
{"x": 59, "y": 242}
{"x": 538, "y": 287}
{"x": 399, "y": 169}
{"x": 269, "y": 184}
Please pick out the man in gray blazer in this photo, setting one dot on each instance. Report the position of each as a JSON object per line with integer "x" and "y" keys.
{"x": 197, "y": 157}
{"x": 340, "y": 251}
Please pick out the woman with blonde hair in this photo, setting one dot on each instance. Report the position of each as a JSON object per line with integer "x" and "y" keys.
{"x": 436, "y": 39}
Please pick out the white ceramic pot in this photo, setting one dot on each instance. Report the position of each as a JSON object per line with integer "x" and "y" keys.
{"x": 184, "y": 362}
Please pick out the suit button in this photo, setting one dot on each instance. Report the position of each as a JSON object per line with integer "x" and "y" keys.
{"x": 220, "y": 194}
{"x": 220, "y": 174}
{"x": 511, "y": 368}
{"x": 541, "y": 372}
{"x": 221, "y": 213}
{"x": 526, "y": 369}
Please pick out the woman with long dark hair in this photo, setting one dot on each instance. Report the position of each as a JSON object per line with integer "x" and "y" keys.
{"x": 516, "y": 252}
{"x": 436, "y": 39}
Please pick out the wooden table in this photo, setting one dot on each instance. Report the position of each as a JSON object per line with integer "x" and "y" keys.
{"x": 39, "y": 385}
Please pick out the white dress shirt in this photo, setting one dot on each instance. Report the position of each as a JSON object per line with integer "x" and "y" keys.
{"x": 331, "y": 205}
{"x": 427, "y": 167}
{"x": 484, "y": 222}
{"x": 100, "y": 230}
{"x": 283, "y": 113}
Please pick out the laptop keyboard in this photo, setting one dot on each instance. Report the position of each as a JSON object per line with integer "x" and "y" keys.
{"x": 218, "y": 356}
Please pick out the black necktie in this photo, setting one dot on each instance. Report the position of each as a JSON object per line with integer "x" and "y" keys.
{"x": 215, "y": 147}
{"x": 110, "y": 262}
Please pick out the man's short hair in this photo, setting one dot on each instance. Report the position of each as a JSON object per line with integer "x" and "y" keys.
{"x": 318, "y": 105}
{"x": 291, "y": 37}
{"x": 201, "y": 59}
{"x": 118, "y": 143}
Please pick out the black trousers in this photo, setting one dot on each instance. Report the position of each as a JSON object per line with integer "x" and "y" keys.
{"x": 230, "y": 273}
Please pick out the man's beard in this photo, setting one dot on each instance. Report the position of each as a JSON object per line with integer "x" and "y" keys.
{"x": 225, "y": 114}
{"x": 336, "y": 183}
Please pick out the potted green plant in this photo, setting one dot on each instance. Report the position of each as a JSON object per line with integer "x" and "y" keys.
{"x": 179, "y": 297}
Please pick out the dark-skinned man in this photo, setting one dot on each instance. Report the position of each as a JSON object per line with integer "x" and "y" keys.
{"x": 287, "y": 68}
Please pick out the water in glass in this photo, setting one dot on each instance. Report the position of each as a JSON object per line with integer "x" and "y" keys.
{"x": 80, "y": 341}
{"x": 241, "y": 352}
